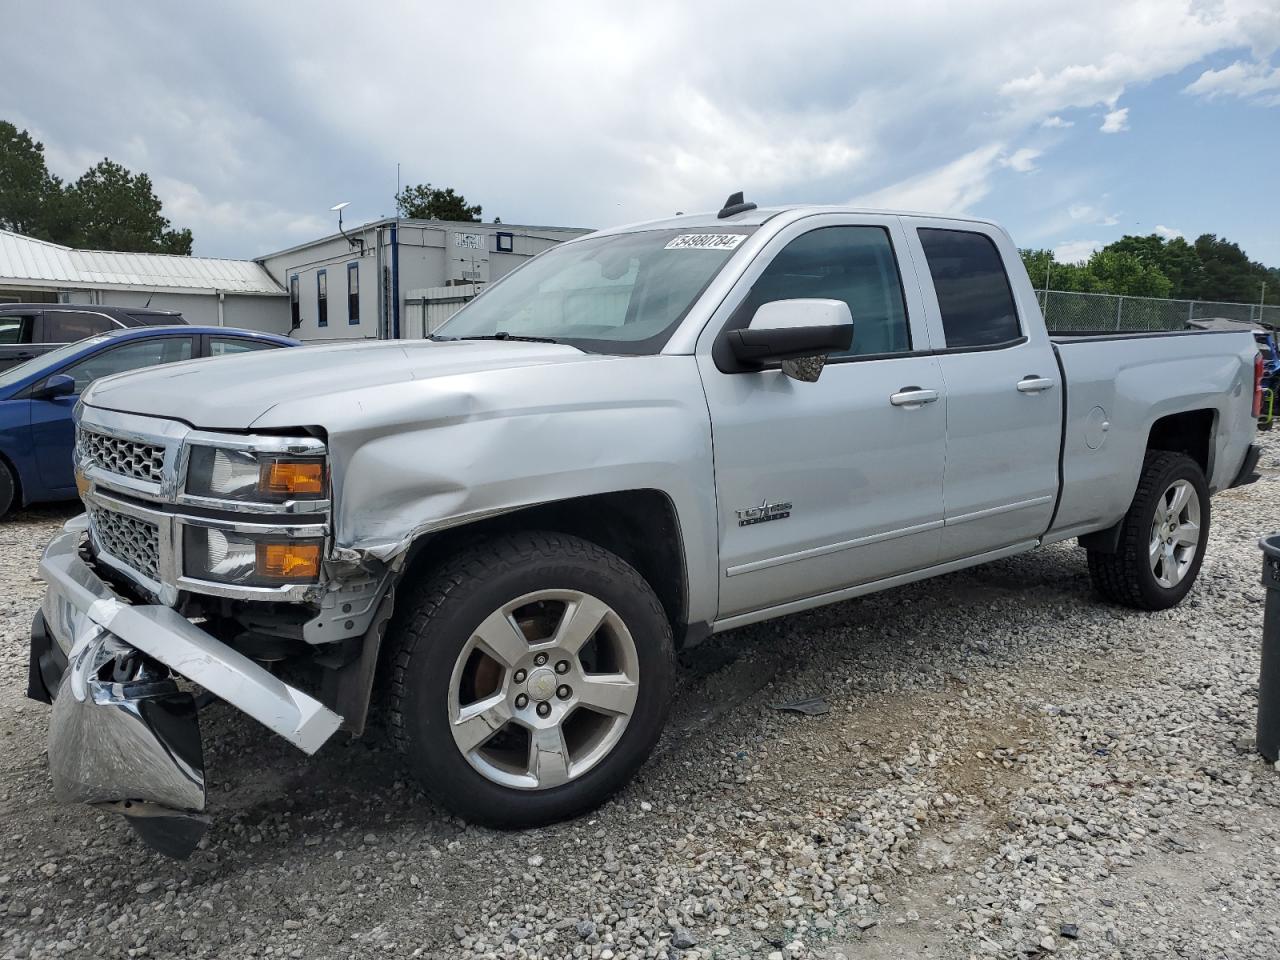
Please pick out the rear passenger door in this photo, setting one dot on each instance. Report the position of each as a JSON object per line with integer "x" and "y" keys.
{"x": 1004, "y": 398}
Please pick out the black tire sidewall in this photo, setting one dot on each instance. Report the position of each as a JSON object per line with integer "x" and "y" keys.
{"x": 8, "y": 489}
{"x": 432, "y": 752}
{"x": 1158, "y": 597}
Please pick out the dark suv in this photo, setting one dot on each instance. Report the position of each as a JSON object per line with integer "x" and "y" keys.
{"x": 30, "y": 329}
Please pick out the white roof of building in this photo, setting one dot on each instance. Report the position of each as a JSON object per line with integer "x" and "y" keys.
{"x": 25, "y": 261}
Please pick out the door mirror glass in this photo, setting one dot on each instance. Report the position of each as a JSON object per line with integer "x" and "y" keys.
{"x": 59, "y": 385}
{"x": 798, "y": 334}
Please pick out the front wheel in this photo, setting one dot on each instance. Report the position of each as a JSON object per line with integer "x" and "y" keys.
{"x": 531, "y": 678}
{"x": 8, "y": 489}
{"x": 1162, "y": 537}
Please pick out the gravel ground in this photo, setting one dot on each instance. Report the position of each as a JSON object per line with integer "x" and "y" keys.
{"x": 1010, "y": 768}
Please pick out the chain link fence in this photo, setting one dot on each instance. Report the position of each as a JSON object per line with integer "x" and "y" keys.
{"x": 1065, "y": 311}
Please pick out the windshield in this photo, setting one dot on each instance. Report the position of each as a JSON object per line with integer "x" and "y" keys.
{"x": 622, "y": 293}
{"x": 45, "y": 362}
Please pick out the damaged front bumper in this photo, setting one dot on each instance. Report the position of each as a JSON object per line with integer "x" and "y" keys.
{"x": 123, "y": 735}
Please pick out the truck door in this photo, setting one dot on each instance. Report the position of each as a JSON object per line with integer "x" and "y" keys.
{"x": 1004, "y": 398}
{"x": 825, "y": 485}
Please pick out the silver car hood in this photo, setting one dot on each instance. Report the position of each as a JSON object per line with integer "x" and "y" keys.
{"x": 232, "y": 393}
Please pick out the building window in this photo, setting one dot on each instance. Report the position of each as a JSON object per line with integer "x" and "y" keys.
{"x": 295, "y": 303}
{"x": 506, "y": 242}
{"x": 322, "y": 298}
{"x": 353, "y": 293}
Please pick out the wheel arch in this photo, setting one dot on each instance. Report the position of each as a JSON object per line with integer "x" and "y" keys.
{"x": 1190, "y": 432}
{"x": 641, "y": 526}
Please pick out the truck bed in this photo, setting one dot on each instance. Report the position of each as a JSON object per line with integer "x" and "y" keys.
{"x": 1118, "y": 385}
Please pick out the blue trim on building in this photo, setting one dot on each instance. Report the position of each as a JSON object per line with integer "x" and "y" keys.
{"x": 395, "y": 283}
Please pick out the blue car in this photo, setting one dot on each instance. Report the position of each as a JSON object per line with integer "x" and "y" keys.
{"x": 37, "y": 398}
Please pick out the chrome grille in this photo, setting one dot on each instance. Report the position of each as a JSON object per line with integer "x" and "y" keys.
{"x": 134, "y": 542}
{"x": 127, "y": 458}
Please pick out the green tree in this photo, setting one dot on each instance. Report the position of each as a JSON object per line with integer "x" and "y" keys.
{"x": 1126, "y": 274}
{"x": 27, "y": 190}
{"x": 1229, "y": 274}
{"x": 425, "y": 202}
{"x": 1175, "y": 258}
{"x": 118, "y": 210}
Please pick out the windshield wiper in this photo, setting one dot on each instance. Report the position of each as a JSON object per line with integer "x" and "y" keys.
{"x": 503, "y": 335}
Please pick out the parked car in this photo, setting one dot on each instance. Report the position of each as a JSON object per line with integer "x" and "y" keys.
{"x": 1266, "y": 340}
{"x": 37, "y": 397}
{"x": 30, "y": 329}
{"x": 637, "y": 439}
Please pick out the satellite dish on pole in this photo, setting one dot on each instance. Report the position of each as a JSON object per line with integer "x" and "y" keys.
{"x": 352, "y": 241}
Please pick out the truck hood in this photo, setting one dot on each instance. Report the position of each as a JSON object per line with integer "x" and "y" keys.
{"x": 231, "y": 393}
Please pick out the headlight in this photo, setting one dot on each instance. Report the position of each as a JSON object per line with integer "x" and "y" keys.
{"x": 251, "y": 560}
{"x": 265, "y": 478}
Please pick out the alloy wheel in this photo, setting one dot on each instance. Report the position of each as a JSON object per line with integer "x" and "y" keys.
{"x": 543, "y": 689}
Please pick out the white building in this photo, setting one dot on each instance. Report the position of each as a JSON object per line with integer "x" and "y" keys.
{"x": 233, "y": 293}
{"x": 397, "y": 278}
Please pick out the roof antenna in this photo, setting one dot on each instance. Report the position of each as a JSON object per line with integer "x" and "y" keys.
{"x": 734, "y": 205}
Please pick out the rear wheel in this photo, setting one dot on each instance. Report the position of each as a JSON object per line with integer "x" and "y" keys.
{"x": 532, "y": 677}
{"x": 1162, "y": 537}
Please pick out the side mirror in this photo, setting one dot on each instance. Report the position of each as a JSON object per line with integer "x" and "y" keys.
{"x": 799, "y": 334}
{"x": 59, "y": 385}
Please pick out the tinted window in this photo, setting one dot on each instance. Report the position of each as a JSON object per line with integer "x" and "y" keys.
{"x": 295, "y": 306}
{"x": 16, "y": 328}
{"x": 322, "y": 298}
{"x": 973, "y": 289}
{"x": 853, "y": 264}
{"x": 222, "y": 346}
{"x": 130, "y": 356}
{"x": 68, "y": 326}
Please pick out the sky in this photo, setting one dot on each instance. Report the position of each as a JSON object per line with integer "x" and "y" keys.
{"x": 1072, "y": 124}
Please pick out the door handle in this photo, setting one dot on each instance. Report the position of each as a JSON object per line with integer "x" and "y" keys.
{"x": 912, "y": 397}
{"x": 1034, "y": 384}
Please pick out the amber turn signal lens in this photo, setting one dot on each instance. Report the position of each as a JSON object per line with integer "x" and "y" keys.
{"x": 289, "y": 561}
{"x": 293, "y": 478}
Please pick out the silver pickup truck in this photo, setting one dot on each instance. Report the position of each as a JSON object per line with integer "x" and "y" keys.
{"x": 499, "y": 537}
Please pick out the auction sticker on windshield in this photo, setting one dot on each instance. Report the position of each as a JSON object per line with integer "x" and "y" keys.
{"x": 705, "y": 241}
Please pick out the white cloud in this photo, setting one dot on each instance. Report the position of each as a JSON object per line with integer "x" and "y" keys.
{"x": 1021, "y": 161}
{"x": 1115, "y": 121}
{"x": 951, "y": 188}
{"x": 1169, "y": 233}
{"x": 1089, "y": 213}
{"x": 1076, "y": 251}
{"x": 1257, "y": 82}
{"x": 1057, "y": 123}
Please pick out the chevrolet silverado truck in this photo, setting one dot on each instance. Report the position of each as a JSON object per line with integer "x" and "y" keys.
{"x": 499, "y": 537}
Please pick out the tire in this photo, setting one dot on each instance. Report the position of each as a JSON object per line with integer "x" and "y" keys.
{"x": 467, "y": 681}
{"x": 1150, "y": 573}
{"x": 8, "y": 489}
